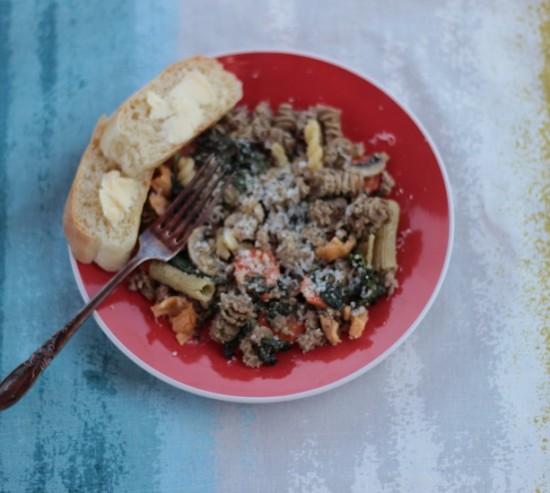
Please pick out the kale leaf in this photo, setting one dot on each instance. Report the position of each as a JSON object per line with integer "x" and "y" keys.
{"x": 269, "y": 346}
{"x": 365, "y": 286}
{"x": 182, "y": 262}
{"x": 243, "y": 156}
{"x": 256, "y": 284}
{"x": 230, "y": 347}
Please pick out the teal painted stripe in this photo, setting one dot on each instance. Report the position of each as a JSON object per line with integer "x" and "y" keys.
{"x": 5, "y": 102}
{"x": 5, "y": 99}
{"x": 47, "y": 58}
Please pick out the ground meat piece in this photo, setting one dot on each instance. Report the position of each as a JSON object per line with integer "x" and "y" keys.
{"x": 311, "y": 339}
{"x": 217, "y": 216}
{"x": 278, "y": 187}
{"x": 235, "y": 310}
{"x": 293, "y": 254}
{"x": 162, "y": 292}
{"x": 280, "y": 324}
{"x": 144, "y": 284}
{"x": 259, "y": 332}
{"x": 367, "y": 213}
{"x": 386, "y": 184}
{"x": 262, "y": 239}
{"x": 327, "y": 213}
{"x": 312, "y": 320}
{"x": 250, "y": 355}
{"x": 327, "y": 182}
{"x": 249, "y": 345}
{"x": 244, "y": 226}
{"x": 276, "y": 226}
{"x": 313, "y": 235}
{"x": 251, "y": 207}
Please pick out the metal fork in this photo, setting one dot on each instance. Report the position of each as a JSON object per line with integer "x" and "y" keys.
{"x": 164, "y": 239}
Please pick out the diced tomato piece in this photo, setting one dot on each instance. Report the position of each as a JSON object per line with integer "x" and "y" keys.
{"x": 372, "y": 183}
{"x": 295, "y": 329}
{"x": 262, "y": 320}
{"x": 307, "y": 288}
{"x": 257, "y": 263}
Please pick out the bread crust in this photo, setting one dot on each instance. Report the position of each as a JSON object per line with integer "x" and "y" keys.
{"x": 113, "y": 148}
{"x": 87, "y": 243}
{"x": 127, "y": 149}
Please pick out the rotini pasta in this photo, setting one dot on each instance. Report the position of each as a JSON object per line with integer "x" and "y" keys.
{"x": 279, "y": 155}
{"x": 312, "y": 136}
{"x": 301, "y": 245}
{"x": 329, "y": 118}
{"x": 186, "y": 170}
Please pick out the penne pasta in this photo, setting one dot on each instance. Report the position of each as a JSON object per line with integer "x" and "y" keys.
{"x": 366, "y": 249}
{"x": 196, "y": 287}
{"x": 385, "y": 244}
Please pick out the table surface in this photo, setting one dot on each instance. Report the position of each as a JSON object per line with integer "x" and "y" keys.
{"x": 463, "y": 405}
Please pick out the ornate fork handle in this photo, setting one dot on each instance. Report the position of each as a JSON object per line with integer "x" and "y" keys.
{"x": 164, "y": 239}
{"x": 16, "y": 384}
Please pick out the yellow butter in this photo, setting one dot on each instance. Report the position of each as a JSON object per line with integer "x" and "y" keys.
{"x": 183, "y": 108}
{"x": 117, "y": 195}
{"x": 159, "y": 108}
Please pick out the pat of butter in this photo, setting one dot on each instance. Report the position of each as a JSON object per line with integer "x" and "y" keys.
{"x": 183, "y": 108}
{"x": 116, "y": 195}
{"x": 159, "y": 108}
{"x": 194, "y": 86}
{"x": 178, "y": 128}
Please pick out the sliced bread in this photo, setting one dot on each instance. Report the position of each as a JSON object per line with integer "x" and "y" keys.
{"x": 185, "y": 99}
{"x": 91, "y": 235}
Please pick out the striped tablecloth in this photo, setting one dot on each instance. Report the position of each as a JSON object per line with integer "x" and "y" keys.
{"x": 462, "y": 406}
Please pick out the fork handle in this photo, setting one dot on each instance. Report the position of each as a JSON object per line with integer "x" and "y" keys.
{"x": 16, "y": 384}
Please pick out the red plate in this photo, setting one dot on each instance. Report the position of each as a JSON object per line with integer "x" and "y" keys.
{"x": 370, "y": 115}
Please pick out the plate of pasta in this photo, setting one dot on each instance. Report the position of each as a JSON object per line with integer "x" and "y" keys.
{"x": 327, "y": 250}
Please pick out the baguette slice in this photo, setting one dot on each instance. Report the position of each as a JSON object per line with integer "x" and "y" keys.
{"x": 185, "y": 99}
{"x": 91, "y": 236}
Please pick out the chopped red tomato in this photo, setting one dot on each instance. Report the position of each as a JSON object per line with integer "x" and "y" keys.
{"x": 262, "y": 320}
{"x": 372, "y": 183}
{"x": 307, "y": 288}
{"x": 257, "y": 263}
{"x": 295, "y": 329}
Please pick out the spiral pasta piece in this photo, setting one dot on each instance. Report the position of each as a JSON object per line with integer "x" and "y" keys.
{"x": 330, "y": 119}
{"x": 312, "y": 135}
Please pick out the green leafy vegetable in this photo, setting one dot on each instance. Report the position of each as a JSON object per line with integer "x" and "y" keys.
{"x": 257, "y": 285}
{"x": 182, "y": 262}
{"x": 243, "y": 156}
{"x": 230, "y": 347}
{"x": 367, "y": 285}
{"x": 269, "y": 346}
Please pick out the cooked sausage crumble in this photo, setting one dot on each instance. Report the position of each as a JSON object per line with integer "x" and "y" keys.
{"x": 301, "y": 245}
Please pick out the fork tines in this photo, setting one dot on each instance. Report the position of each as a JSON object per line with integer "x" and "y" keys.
{"x": 193, "y": 205}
